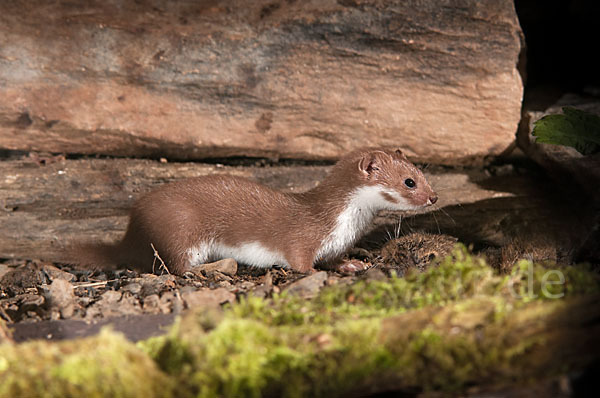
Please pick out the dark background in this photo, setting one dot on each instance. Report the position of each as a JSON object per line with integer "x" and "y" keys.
{"x": 563, "y": 44}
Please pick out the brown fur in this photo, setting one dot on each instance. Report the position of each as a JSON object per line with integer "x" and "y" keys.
{"x": 232, "y": 210}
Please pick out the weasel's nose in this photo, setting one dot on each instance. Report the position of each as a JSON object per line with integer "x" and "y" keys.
{"x": 432, "y": 200}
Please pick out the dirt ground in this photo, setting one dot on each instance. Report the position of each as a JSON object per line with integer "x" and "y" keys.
{"x": 54, "y": 302}
{"x": 37, "y": 292}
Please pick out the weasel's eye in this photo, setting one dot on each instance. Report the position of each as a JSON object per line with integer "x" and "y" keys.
{"x": 409, "y": 182}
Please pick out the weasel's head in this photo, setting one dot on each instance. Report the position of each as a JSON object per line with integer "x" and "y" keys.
{"x": 400, "y": 184}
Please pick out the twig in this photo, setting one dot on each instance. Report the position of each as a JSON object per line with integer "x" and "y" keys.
{"x": 4, "y": 315}
{"x": 93, "y": 284}
{"x": 157, "y": 256}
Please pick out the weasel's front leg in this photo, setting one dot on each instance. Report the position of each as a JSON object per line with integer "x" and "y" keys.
{"x": 348, "y": 267}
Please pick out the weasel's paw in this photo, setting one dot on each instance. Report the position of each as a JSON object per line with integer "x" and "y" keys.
{"x": 352, "y": 266}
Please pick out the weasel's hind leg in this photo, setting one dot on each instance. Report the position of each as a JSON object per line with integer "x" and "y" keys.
{"x": 193, "y": 258}
{"x": 301, "y": 261}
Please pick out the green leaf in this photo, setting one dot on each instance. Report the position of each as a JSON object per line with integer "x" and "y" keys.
{"x": 574, "y": 128}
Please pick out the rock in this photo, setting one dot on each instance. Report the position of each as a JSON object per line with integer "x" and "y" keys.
{"x": 334, "y": 280}
{"x": 265, "y": 288}
{"x": 133, "y": 288}
{"x": 4, "y": 269}
{"x": 352, "y": 266}
{"x": 171, "y": 302}
{"x": 308, "y": 286}
{"x": 152, "y": 284}
{"x": 22, "y": 305}
{"x": 165, "y": 304}
{"x": 207, "y": 297}
{"x": 246, "y": 285}
{"x": 61, "y": 298}
{"x": 261, "y": 291}
{"x": 562, "y": 161}
{"x": 28, "y": 301}
{"x": 22, "y": 280}
{"x": 113, "y": 303}
{"x": 225, "y": 284}
{"x": 304, "y": 80}
{"x": 227, "y": 266}
{"x": 133, "y": 327}
{"x": 151, "y": 304}
{"x": 54, "y": 273}
{"x": 375, "y": 274}
{"x": 85, "y": 301}
{"x": 111, "y": 297}
{"x": 268, "y": 279}
{"x": 565, "y": 164}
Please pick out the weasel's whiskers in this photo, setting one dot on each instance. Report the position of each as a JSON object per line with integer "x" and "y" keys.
{"x": 448, "y": 215}
{"x": 436, "y": 222}
{"x": 398, "y": 229}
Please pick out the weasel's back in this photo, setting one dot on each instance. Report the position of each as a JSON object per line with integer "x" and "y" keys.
{"x": 218, "y": 199}
{"x": 186, "y": 214}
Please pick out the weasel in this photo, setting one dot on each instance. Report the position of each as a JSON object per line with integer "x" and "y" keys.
{"x": 198, "y": 220}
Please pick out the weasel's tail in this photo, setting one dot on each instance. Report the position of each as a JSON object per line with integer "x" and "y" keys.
{"x": 94, "y": 256}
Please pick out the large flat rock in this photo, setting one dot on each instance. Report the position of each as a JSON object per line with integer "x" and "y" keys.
{"x": 190, "y": 80}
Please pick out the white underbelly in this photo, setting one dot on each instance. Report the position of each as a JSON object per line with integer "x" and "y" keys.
{"x": 251, "y": 253}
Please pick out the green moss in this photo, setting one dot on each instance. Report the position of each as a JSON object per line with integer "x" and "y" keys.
{"x": 458, "y": 277}
{"x": 456, "y": 325}
{"x": 245, "y": 357}
{"x": 105, "y": 365}
{"x": 479, "y": 340}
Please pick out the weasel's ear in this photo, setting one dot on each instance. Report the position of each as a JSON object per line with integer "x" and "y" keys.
{"x": 368, "y": 164}
{"x": 401, "y": 154}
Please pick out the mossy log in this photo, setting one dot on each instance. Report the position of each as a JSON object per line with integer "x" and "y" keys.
{"x": 104, "y": 366}
{"x": 453, "y": 327}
